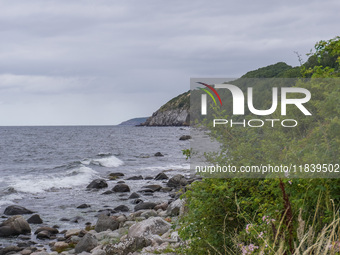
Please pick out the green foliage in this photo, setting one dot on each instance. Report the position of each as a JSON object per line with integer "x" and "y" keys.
{"x": 221, "y": 209}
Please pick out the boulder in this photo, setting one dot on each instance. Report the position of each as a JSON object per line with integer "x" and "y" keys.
{"x": 87, "y": 243}
{"x": 148, "y": 213}
{"x": 106, "y": 222}
{"x": 15, "y": 225}
{"x": 97, "y": 184}
{"x": 135, "y": 178}
{"x": 122, "y": 208}
{"x": 174, "y": 208}
{"x": 83, "y": 206}
{"x": 16, "y": 210}
{"x": 148, "y": 227}
{"x": 121, "y": 188}
{"x": 177, "y": 181}
{"x": 134, "y": 195}
{"x": 60, "y": 246}
{"x": 161, "y": 176}
{"x": 144, "y": 205}
{"x": 185, "y": 137}
{"x": 158, "y": 154}
{"x": 128, "y": 246}
{"x": 153, "y": 187}
{"x": 35, "y": 219}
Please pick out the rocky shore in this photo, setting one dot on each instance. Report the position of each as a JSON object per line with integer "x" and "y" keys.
{"x": 150, "y": 229}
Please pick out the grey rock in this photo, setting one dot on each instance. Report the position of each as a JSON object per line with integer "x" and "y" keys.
{"x": 17, "y": 210}
{"x": 185, "y": 137}
{"x": 145, "y": 205}
{"x": 161, "y": 176}
{"x": 48, "y": 229}
{"x": 151, "y": 226}
{"x": 97, "y": 184}
{"x": 177, "y": 181}
{"x": 121, "y": 188}
{"x": 35, "y": 219}
{"x": 153, "y": 187}
{"x": 83, "y": 206}
{"x": 122, "y": 208}
{"x": 106, "y": 222}
{"x": 15, "y": 225}
{"x": 174, "y": 208}
{"x": 44, "y": 235}
{"x": 135, "y": 178}
{"x": 158, "y": 154}
{"x": 134, "y": 195}
{"x": 87, "y": 243}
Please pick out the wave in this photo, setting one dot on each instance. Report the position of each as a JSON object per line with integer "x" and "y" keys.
{"x": 37, "y": 184}
{"x": 108, "y": 162}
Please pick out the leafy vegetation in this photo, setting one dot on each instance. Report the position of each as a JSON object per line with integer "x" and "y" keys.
{"x": 275, "y": 216}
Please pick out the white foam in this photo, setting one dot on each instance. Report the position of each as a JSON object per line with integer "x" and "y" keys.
{"x": 168, "y": 167}
{"x": 111, "y": 161}
{"x": 37, "y": 184}
{"x": 8, "y": 199}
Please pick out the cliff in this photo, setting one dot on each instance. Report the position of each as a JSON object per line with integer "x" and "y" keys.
{"x": 173, "y": 113}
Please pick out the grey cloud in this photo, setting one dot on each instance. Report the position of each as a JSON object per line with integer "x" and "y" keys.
{"x": 89, "y": 55}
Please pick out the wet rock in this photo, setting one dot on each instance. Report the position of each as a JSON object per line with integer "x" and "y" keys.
{"x": 121, "y": 188}
{"x": 144, "y": 205}
{"x": 106, "y": 222}
{"x": 108, "y": 192}
{"x": 154, "y": 188}
{"x": 17, "y": 210}
{"x": 87, "y": 243}
{"x": 82, "y": 206}
{"x": 122, "y": 208}
{"x": 158, "y": 154}
{"x": 137, "y": 201}
{"x": 177, "y": 181}
{"x": 161, "y": 176}
{"x": 15, "y": 225}
{"x": 77, "y": 219}
{"x": 35, "y": 219}
{"x": 97, "y": 184}
{"x": 10, "y": 250}
{"x": 114, "y": 176}
{"x": 185, "y": 137}
{"x": 44, "y": 235}
{"x": 135, "y": 178}
{"x": 134, "y": 195}
{"x": 52, "y": 231}
{"x": 148, "y": 178}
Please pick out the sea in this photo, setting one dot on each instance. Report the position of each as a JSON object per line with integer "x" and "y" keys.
{"x": 46, "y": 169}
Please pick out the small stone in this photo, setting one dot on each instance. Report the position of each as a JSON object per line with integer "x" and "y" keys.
{"x": 158, "y": 154}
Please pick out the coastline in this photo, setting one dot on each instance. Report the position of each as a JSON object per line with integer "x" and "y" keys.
{"x": 148, "y": 229}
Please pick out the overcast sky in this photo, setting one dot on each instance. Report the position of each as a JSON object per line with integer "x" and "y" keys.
{"x": 67, "y": 62}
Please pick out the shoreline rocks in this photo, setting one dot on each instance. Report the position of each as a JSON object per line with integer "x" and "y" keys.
{"x": 146, "y": 230}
